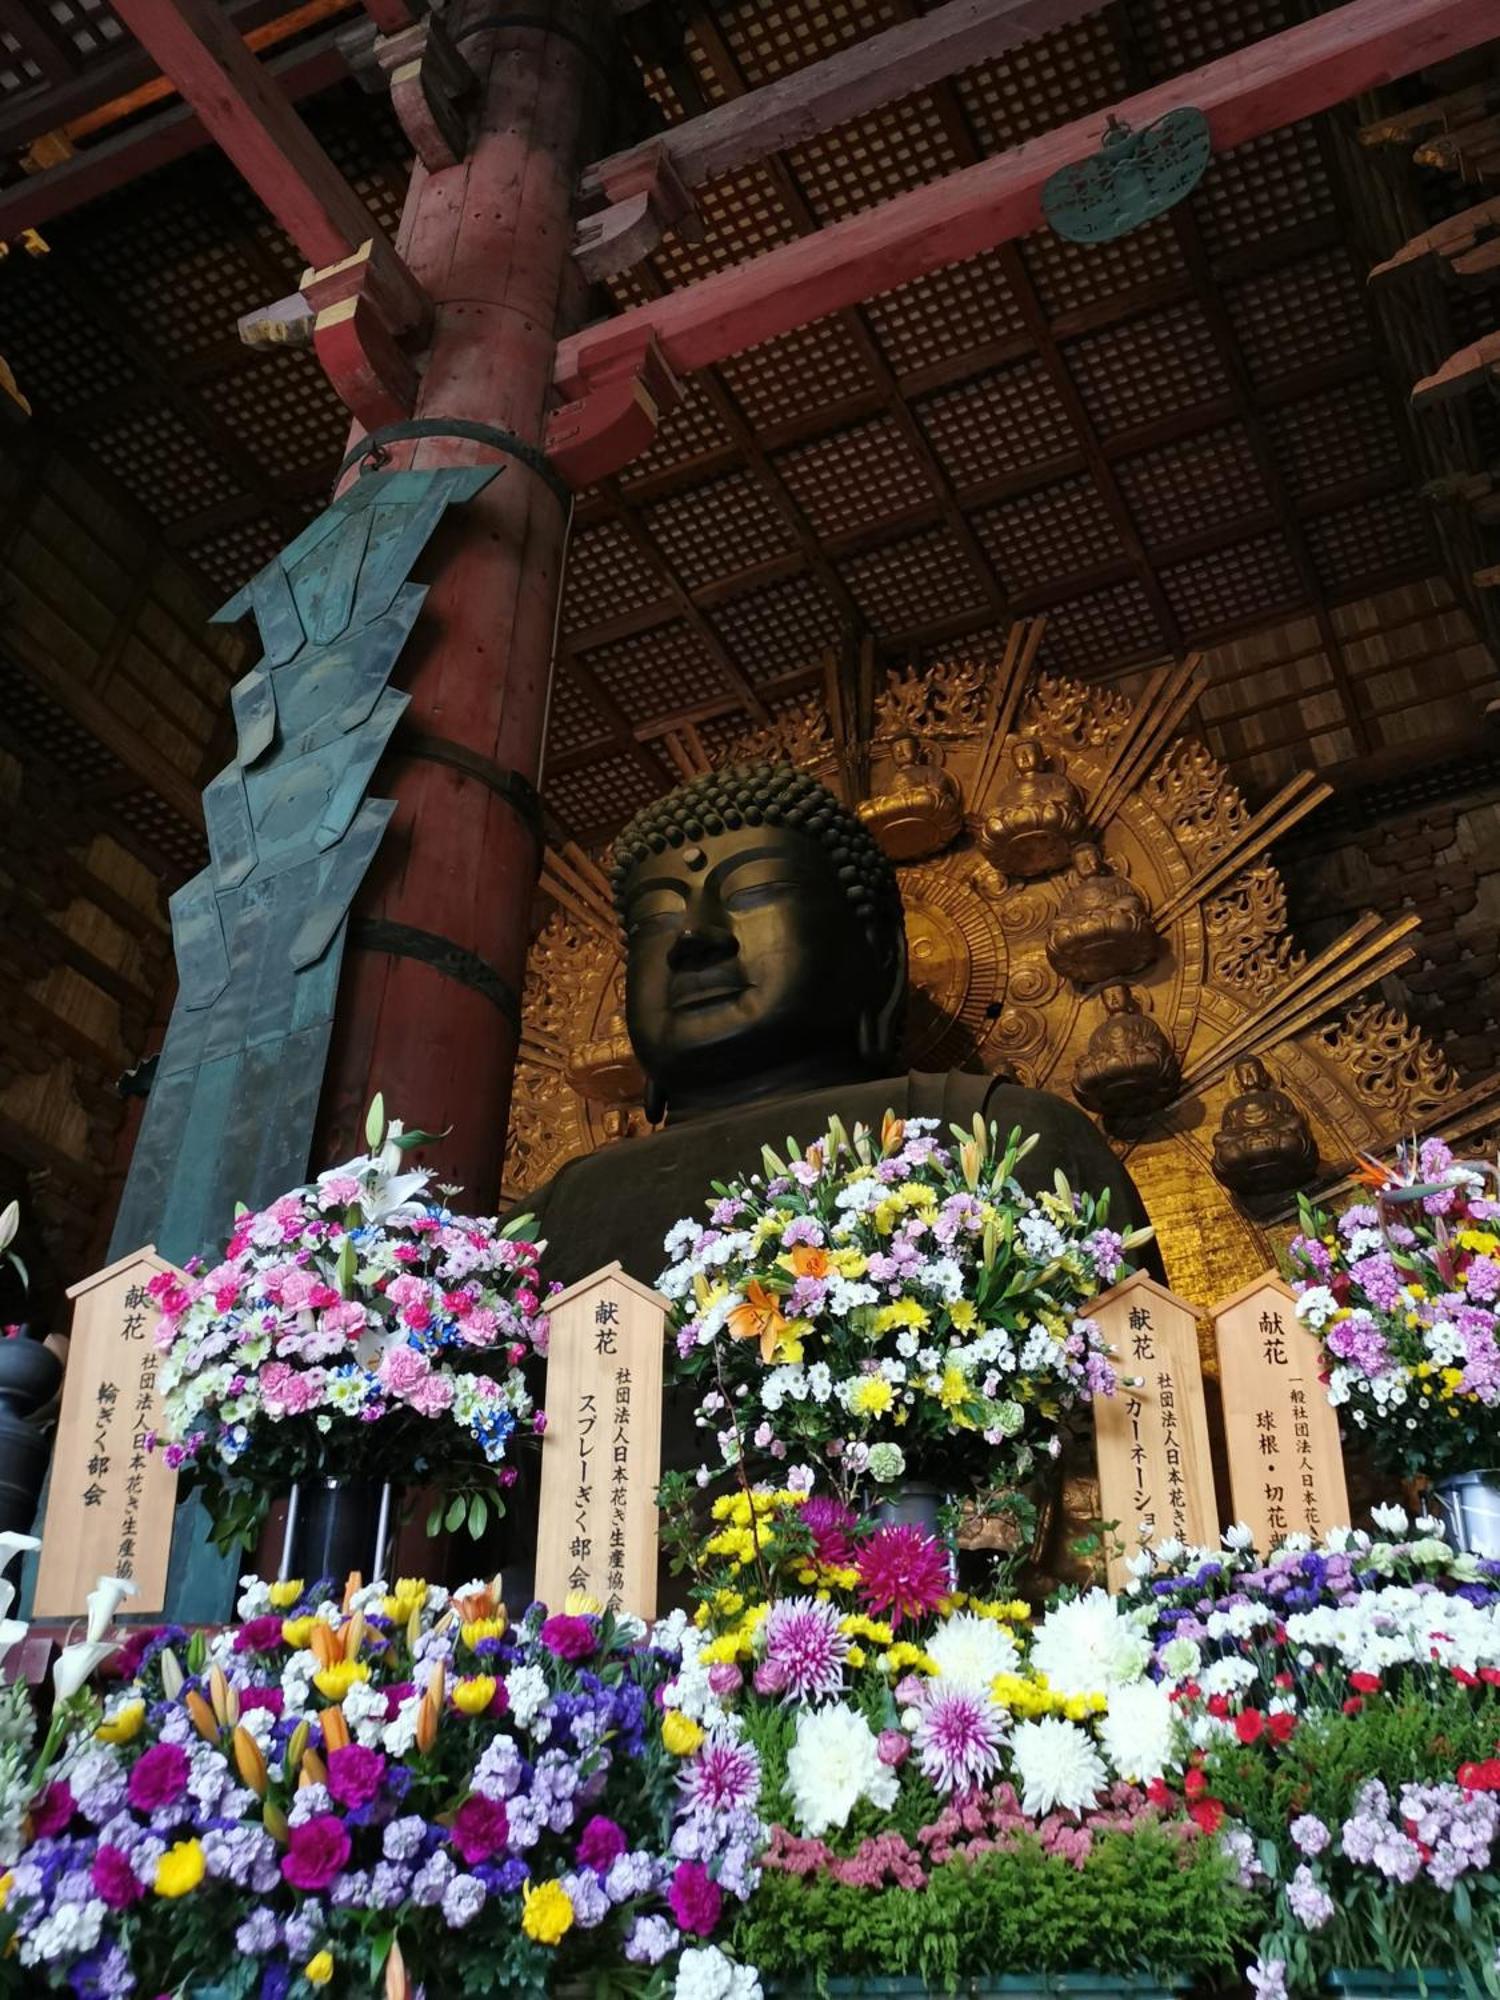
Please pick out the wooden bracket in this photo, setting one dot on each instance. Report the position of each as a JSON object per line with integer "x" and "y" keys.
{"x": 614, "y": 410}
{"x": 1467, "y": 369}
{"x": 644, "y": 197}
{"x": 359, "y": 314}
{"x": 1466, "y": 243}
{"x": 431, "y": 86}
{"x": 285, "y": 323}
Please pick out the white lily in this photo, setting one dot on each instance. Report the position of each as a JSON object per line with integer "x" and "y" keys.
{"x": 10, "y": 1222}
{"x": 12, "y": 1630}
{"x": 77, "y": 1662}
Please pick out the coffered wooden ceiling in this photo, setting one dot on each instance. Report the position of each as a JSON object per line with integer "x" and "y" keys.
{"x": 1168, "y": 442}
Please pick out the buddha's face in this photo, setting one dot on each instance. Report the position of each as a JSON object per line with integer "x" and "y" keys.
{"x": 743, "y": 955}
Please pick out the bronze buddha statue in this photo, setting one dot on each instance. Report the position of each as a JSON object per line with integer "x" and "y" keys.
{"x": 923, "y": 811}
{"x": 765, "y": 985}
{"x": 1129, "y": 1067}
{"x": 1103, "y": 927}
{"x": 1264, "y": 1145}
{"x": 1036, "y": 817}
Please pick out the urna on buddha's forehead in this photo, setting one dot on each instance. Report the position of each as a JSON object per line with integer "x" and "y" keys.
{"x": 763, "y": 795}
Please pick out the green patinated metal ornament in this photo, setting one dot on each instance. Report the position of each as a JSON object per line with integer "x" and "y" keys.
{"x": 1133, "y": 177}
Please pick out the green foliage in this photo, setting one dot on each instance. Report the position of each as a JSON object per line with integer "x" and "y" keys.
{"x": 1143, "y": 1901}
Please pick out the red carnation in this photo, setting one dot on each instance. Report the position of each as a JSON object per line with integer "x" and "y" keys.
{"x": 1365, "y": 1683}
{"x": 1249, "y": 1725}
{"x": 1207, "y": 1814}
{"x": 317, "y": 1851}
{"x": 1282, "y": 1725}
{"x": 695, "y": 1898}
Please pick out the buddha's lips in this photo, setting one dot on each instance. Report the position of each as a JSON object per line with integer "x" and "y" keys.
{"x": 686, "y": 990}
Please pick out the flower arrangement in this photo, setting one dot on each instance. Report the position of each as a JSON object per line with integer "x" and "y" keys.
{"x": 397, "y": 1787}
{"x": 892, "y": 1307}
{"x": 357, "y": 1326}
{"x": 1403, "y": 1291}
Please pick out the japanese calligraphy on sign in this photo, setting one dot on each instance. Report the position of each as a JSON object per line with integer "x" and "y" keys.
{"x": 1286, "y": 1468}
{"x": 601, "y": 1455}
{"x": 112, "y": 1499}
{"x": 1152, "y": 1434}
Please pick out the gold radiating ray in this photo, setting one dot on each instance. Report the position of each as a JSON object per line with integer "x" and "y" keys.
{"x": 1365, "y": 953}
{"x": 1296, "y": 799}
{"x": 1011, "y": 677}
{"x": 577, "y": 884}
{"x": 1169, "y": 694}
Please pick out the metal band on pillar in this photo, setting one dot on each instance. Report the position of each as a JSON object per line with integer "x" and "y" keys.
{"x": 371, "y": 453}
{"x": 513, "y": 787}
{"x": 454, "y": 961}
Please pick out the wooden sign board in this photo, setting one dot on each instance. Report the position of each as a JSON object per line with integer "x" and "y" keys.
{"x": 112, "y": 1501}
{"x": 1286, "y": 1467}
{"x": 601, "y": 1453}
{"x": 1155, "y": 1471}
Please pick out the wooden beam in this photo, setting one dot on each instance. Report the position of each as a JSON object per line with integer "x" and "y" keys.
{"x": 140, "y": 149}
{"x": 1254, "y": 90}
{"x": 645, "y": 185}
{"x": 256, "y": 126}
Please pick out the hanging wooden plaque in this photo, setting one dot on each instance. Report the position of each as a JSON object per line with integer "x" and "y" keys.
{"x": 112, "y": 1500}
{"x": 1286, "y": 1467}
{"x": 1155, "y": 1471}
{"x": 601, "y": 1454}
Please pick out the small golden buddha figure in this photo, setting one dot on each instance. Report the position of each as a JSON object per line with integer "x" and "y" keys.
{"x": 1129, "y": 1067}
{"x": 1037, "y": 817}
{"x": 1103, "y": 928}
{"x": 619, "y": 1122}
{"x": 606, "y": 1071}
{"x": 923, "y": 811}
{"x": 1264, "y": 1145}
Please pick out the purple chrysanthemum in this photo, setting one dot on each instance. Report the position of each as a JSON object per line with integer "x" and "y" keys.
{"x": 723, "y": 1777}
{"x": 803, "y": 1638}
{"x": 958, "y": 1737}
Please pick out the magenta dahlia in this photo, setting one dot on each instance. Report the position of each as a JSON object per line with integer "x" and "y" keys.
{"x": 724, "y": 1776}
{"x": 903, "y": 1573}
{"x": 831, "y": 1525}
{"x": 803, "y": 1638}
{"x": 958, "y": 1737}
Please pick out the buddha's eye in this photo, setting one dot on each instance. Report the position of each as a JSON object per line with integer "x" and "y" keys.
{"x": 653, "y": 913}
{"x": 752, "y": 895}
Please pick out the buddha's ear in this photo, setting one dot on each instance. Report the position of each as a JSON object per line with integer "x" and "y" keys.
{"x": 880, "y": 1020}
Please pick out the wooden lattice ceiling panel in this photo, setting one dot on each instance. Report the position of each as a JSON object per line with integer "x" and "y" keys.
{"x": 810, "y": 370}
{"x": 853, "y": 478}
{"x": 1042, "y": 84}
{"x": 1153, "y": 367}
{"x": 660, "y": 673}
{"x": 1071, "y": 277}
{"x": 1037, "y": 537}
{"x": 1340, "y": 434}
{"x": 607, "y": 576}
{"x": 1235, "y": 583}
{"x": 1004, "y": 422}
{"x": 960, "y": 310}
{"x": 1182, "y": 34}
{"x": 904, "y": 586}
{"x": 771, "y": 38}
{"x": 1262, "y": 187}
{"x": 718, "y": 530}
{"x": 780, "y": 630}
{"x": 1199, "y": 482}
{"x": 1303, "y": 313}
{"x": 1386, "y": 534}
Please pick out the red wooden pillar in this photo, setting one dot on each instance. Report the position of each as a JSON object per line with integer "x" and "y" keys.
{"x": 489, "y": 240}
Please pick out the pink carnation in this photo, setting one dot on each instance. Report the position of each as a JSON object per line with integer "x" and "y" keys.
{"x": 695, "y": 1898}
{"x": 403, "y": 1370}
{"x": 432, "y": 1397}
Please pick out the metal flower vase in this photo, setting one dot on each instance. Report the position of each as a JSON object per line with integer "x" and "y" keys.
{"x": 914, "y": 1505}
{"x": 1470, "y": 1505}
{"x": 334, "y": 1526}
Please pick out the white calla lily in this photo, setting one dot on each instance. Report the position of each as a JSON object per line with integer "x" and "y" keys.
{"x": 10, "y": 1222}
{"x": 10, "y": 1547}
{"x": 77, "y": 1662}
{"x": 104, "y": 1600}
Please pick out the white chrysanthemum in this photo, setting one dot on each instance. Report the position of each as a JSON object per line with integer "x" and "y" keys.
{"x": 1088, "y": 1646}
{"x": 1139, "y": 1733}
{"x": 704, "y": 1973}
{"x": 1057, "y": 1765}
{"x": 834, "y": 1764}
{"x": 973, "y": 1650}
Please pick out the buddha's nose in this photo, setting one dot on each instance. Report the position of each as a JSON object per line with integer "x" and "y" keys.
{"x": 700, "y": 944}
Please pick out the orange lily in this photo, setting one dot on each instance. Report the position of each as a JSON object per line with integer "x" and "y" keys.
{"x": 760, "y": 1319}
{"x": 1372, "y": 1174}
{"x": 810, "y": 1262}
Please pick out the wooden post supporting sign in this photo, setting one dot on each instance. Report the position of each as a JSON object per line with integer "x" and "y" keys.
{"x": 601, "y": 1455}
{"x": 1286, "y": 1467}
{"x": 112, "y": 1500}
{"x": 1154, "y": 1465}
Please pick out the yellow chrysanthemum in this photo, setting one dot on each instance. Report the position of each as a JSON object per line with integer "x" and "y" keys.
{"x": 335, "y": 1682}
{"x": 481, "y": 1628}
{"x": 578, "y": 1604}
{"x": 858, "y": 1626}
{"x": 871, "y": 1396}
{"x": 474, "y": 1695}
{"x": 284, "y": 1595}
{"x": 901, "y": 1312}
{"x": 319, "y": 1968}
{"x": 547, "y": 1913}
{"x": 124, "y": 1725}
{"x": 680, "y": 1733}
{"x": 954, "y": 1389}
{"x": 964, "y": 1314}
{"x": 180, "y": 1869}
{"x": 295, "y": 1632}
{"x": 849, "y": 1263}
{"x": 5, "y": 1886}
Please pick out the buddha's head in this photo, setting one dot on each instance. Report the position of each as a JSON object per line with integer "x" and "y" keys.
{"x": 764, "y": 940}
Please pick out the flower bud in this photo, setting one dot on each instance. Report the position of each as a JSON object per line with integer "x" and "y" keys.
{"x": 725, "y": 1679}
{"x": 173, "y": 1679}
{"x": 354, "y": 1636}
{"x": 202, "y": 1715}
{"x": 335, "y": 1728}
{"x": 771, "y": 1677}
{"x": 354, "y": 1582}
{"x": 274, "y": 1820}
{"x": 397, "y": 1985}
{"x": 249, "y": 1761}
{"x": 314, "y": 1771}
{"x": 296, "y": 1745}
{"x": 891, "y": 1747}
{"x": 226, "y": 1703}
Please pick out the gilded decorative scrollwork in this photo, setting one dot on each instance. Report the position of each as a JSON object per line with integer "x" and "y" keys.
{"x": 984, "y": 996}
